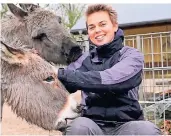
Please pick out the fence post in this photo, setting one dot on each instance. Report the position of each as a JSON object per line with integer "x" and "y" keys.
{"x": 138, "y": 41}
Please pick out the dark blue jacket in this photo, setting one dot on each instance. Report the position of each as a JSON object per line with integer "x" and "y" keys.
{"x": 109, "y": 77}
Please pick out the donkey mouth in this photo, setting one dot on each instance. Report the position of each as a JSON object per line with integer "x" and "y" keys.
{"x": 74, "y": 54}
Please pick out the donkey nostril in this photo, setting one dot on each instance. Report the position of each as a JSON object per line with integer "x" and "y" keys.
{"x": 66, "y": 54}
{"x": 76, "y": 49}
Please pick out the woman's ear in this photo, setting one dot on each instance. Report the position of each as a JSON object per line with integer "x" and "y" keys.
{"x": 115, "y": 24}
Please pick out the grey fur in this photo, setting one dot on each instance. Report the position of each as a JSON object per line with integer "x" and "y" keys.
{"x": 24, "y": 87}
{"x": 39, "y": 29}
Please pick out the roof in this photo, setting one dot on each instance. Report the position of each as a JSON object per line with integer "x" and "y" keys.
{"x": 135, "y": 15}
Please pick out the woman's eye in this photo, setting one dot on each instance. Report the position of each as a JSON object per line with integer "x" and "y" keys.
{"x": 49, "y": 79}
{"x": 103, "y": 24}
{"x": 91, "y": 28}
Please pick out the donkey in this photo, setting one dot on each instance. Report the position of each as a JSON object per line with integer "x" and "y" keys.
{"x": 30, "y": 86}
{"x": 42, "y": 30}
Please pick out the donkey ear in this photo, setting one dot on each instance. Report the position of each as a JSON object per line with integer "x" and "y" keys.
{"x": 28, "y": 7}
{"x": 12, "y": 55}
{"x": 19, "y": 13}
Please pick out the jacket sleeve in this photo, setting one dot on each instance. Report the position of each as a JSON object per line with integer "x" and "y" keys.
{"x": 72, "y": 67}
{"x": 123, "y": 76}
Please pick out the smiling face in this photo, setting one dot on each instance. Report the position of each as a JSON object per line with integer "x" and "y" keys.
{"x": 101, "y": 30}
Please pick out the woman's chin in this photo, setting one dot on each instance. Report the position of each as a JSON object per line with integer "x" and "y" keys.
{"x": 99, "y": 43}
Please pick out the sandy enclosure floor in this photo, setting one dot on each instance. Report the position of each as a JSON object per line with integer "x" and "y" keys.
{"x": 13, "y": 125}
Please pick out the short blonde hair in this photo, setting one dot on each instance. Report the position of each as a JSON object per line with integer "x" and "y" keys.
{"x": 102, "y": 7}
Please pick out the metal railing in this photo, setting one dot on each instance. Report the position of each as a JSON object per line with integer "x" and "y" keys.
{"x": 155, "y": 91}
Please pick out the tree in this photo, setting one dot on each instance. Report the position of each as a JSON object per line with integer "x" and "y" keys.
{"x": 70, "y": 13}
{"x": 4, "y": 9}
{"x": 73, "y": 13}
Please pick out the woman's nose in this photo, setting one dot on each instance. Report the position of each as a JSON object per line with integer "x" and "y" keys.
{"x": 97, "y": 29}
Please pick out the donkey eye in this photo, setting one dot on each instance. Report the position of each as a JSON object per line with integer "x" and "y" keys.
{"x": 40, "y": 36}
{"x": 49, "y": 79}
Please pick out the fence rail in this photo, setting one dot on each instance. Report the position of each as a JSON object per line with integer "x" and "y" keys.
{"x": 155, "y": 90}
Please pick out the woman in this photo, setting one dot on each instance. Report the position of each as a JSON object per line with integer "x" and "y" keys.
{"x": 109, "y": 76}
